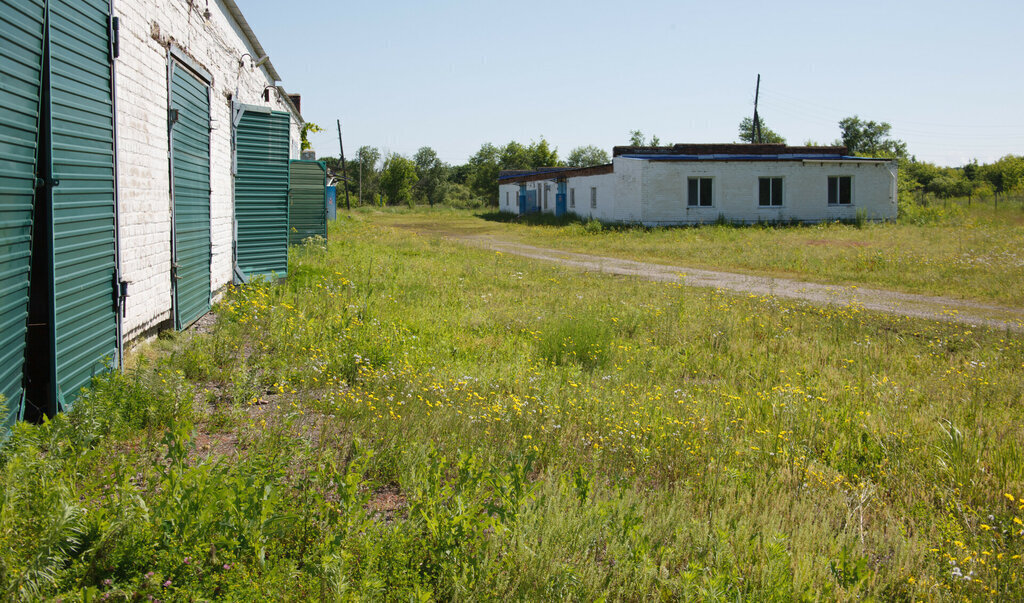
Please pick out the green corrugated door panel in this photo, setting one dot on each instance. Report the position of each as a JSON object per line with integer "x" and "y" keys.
{"x": 21, "y": 37}
{"x": 190, "y": 173}
{"x": 307, "y": 204}
{"x": 84, "y": 237}
{"x": 261, "y": 192}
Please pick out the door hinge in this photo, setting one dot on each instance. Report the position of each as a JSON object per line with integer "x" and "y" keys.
{"x": 115, "y": 37}
{"x": 47, "y": 182}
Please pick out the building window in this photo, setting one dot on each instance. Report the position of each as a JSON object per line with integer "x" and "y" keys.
{"x": 699, "y": 192}
{"x": 572, "y": 197}
{"x": 769, "y": 192}
{"x": 840, "y": 190}
{"x": 593, "y": 197}
{"x": 546, "y": 188}
{"x": 506, "y": 197}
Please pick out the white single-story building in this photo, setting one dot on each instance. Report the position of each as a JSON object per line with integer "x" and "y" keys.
{"x": 702, "y": 183}
{"x": 144, "y": 165}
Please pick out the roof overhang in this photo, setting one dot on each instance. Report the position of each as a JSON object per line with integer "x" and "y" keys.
{"x": 250, "y": 36}
{"x": 556, "y": 174}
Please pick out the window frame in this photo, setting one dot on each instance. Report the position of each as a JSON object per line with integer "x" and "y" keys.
{"x": 698, "y": 200}
{"x": 828, "y": 191}
{"x": 593, "y": 197}
{"x": 572, "y": 198}
{"x": 772, "y": 201}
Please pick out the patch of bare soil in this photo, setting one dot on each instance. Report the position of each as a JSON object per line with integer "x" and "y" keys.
{"x": 204, "y": 324}
{"x": 217, "y": 444}
{"x": 387, "y": 503}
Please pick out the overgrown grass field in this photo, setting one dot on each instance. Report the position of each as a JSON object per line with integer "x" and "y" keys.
{"x": 973, "y": 252}
{"x": 408, "y": 418}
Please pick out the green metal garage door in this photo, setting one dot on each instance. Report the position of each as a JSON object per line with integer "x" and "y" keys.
{"x": 261, "y": 191}
{"x": 307, "y": 207}
{"x": 21, "y": 37}
{"x": 190, "y": 185}
{"x": 84, "y": 302}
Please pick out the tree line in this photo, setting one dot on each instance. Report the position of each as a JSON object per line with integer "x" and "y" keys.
{"x": 395, "y": 179}
{"x": 917, "y": 178}
{"x": 424, "y": 178}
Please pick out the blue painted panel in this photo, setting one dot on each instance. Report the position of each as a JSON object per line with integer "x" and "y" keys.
{"x": 332, "y": 202}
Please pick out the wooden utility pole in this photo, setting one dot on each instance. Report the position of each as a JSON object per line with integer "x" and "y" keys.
{"x": 344, "y": 172}
{"x": 757, "y": 121}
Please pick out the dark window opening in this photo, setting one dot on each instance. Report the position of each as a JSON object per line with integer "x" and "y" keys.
{"x": 769, "y": 192}
{"x": 698, "y": 192}
{"x": 840, "y": 190}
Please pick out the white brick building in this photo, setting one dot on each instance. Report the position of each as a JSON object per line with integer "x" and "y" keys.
{"x": 701, "y": 183}
{"x": 220, "y": 44}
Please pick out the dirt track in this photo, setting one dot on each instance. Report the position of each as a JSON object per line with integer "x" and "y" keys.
{"x": 893, "y": 302}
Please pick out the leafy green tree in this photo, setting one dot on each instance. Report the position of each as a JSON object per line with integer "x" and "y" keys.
{"x": 870, "y": 138}
{"x": 542, "y": 155}
{"x": 1004, "y": 175}
{"x": 515, "y": 156}
{"x": 432, "y": 174}
{"x": 484, "y": 166}
{"x": 481, "y": 172}
{"x": 397, "y": 179}
{"x": 460, "y": 174}
{"x": 587, "y": 156}
{"x": 767, "y": 134}
{"x": 636, "y": 139}
{"x": 364, "y": 166}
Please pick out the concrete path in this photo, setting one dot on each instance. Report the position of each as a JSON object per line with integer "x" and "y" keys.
{"x": 893, "y": 302}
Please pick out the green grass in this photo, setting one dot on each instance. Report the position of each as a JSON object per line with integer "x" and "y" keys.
{"x": 407, "y": 418}
{"x": 958, "y": 251}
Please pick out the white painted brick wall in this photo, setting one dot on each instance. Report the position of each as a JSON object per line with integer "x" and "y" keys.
{"x": 735, "y": 191}
{"x": 654, "y": 192}
{"x": 217, "y": 44}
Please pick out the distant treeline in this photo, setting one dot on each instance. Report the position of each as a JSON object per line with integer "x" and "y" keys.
{"x": 424, "y": 179}
{"x": 373, "y": 179}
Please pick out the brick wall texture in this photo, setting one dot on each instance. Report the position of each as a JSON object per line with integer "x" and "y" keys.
{"x": 147, "y": 28}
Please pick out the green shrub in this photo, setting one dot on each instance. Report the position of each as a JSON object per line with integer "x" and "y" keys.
{"x": 920, "y": 214}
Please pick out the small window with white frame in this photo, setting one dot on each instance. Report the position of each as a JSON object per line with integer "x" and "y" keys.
{"x": 769, "y": 192}
{"x": 506, "y": 198}
{"x": 840, "y": 190}
{"x": 572, "y": 198}
{"x": 699, "y": 192}
{"x": 593, "y": 197}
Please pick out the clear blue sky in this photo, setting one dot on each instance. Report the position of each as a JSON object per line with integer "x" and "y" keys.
{"x": 452, "y": 75}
